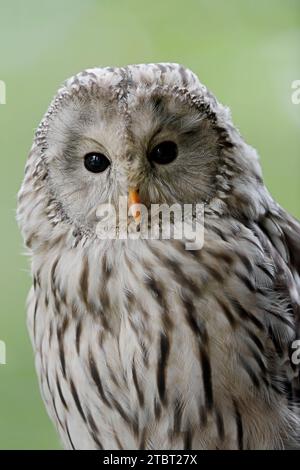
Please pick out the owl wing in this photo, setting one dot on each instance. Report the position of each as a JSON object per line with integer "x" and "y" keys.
{"x": 290, "y": 228}
{"x": 279, "y": 233}
{"x": 283, "y": 233}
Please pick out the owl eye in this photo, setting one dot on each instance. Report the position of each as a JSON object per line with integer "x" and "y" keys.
{"x": 96, "y": 162}
{"x": 164, "y": 153}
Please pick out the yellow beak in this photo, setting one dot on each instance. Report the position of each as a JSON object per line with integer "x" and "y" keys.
{"x": 133, "y": 201}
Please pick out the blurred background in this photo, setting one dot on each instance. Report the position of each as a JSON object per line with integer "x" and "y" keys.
{"x": 247, "y": 53}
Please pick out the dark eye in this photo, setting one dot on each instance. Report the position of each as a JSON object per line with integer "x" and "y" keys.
{"x": 164, "y": 153}
{"x": 96, "y": 162}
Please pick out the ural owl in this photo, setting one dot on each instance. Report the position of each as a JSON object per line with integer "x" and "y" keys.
{"x": 144, "y": 344}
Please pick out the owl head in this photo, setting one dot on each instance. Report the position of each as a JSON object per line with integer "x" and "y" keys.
{"x": 152, "y": 130}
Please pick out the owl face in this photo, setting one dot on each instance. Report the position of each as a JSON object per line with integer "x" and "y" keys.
{"x": 129, "y": 129}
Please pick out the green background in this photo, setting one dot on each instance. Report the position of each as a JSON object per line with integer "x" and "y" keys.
{"x": 246, "y": 52}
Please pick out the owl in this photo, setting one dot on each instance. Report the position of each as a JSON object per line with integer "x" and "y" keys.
{"x": 143, "y": 343}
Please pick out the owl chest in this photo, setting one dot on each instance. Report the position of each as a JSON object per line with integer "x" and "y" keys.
{"x": 141, "y": 349}
{"x": 133, "y": 322}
